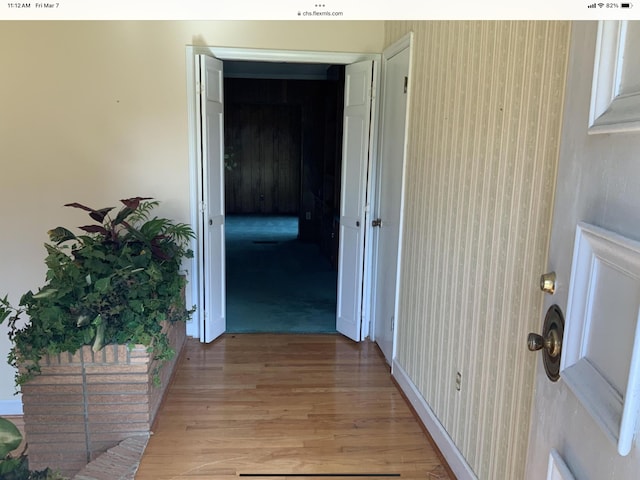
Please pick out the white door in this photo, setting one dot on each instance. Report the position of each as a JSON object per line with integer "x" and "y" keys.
{"x": 211, "y": 155}
{"x": 598, "y": 182}
{"x": 387, "y": 213}
{"x": 355, "y": 162}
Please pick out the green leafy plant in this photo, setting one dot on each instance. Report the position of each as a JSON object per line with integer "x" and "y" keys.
{"x": 115, "y": 283}
{"x": 10, "y": 437}
{"x": 17, "y": 468}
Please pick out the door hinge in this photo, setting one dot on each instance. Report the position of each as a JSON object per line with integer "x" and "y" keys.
{"x": 203, "y": 207}
{"x": 198, "y": 88}
{"x": 406, "y": 84}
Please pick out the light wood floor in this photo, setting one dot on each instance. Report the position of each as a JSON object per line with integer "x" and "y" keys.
{"x": 285, "y": 407}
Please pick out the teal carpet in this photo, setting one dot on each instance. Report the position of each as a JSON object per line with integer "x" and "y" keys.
{"x": 276, "y": 284}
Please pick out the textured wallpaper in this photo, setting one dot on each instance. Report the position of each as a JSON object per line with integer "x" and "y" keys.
{"x": 484, "y": 124}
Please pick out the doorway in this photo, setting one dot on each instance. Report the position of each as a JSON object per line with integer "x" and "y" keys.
{"x": 207, "y": 273}
{"x": 283, "y": 137}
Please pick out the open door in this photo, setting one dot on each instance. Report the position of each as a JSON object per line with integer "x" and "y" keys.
{"x": 355, "y": 161}
{"x": 211, "y": 189}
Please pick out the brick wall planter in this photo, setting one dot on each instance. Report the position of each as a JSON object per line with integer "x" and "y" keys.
{"x": 83, "y": 404}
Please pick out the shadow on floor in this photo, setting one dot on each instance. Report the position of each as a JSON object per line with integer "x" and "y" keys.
{"x": 275, "y": 283}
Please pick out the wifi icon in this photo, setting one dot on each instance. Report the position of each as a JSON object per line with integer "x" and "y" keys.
{"x": 600, "y": 5}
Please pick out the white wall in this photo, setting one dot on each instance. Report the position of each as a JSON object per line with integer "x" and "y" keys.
{"x": 97, "y": 111}
{"x": 599, "y": 183}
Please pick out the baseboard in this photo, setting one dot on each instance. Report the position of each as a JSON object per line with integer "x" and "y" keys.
{"x": 448, "y": 448}
{"x": 10, "y": 407}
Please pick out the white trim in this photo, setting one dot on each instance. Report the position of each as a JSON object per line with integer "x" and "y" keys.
{"x": 193, "y": 326}
{"x": 612, "y": 111}
{"x": 398, "y": 46}
{"x": 557, "y": 468}
{"x": 404, "y": 42}
{"x": 294, "y": 56}
{"x": 444, "y": 442}
{"x": 10, "y": 407}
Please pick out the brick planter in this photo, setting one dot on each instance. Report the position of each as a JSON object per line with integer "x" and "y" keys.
{"x": 81, "y": 405}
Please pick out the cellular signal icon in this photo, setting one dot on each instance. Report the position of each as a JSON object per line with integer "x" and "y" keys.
{"x": 593, "y": 5}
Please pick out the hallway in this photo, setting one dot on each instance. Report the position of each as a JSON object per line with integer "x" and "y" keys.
{"x": 286, "y": 406}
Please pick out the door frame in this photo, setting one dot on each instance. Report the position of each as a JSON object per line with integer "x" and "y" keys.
{"x": 195, "y": 281}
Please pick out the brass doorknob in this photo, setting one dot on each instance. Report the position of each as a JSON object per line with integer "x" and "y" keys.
{"x": 552, "y": 343}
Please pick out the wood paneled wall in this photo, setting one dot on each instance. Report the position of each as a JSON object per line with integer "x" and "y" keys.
{"x": 286, "y": 141}
{"x": 263, "y": 146}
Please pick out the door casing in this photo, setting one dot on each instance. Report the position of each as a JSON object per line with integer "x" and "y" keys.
{"x": 259, "y": 55}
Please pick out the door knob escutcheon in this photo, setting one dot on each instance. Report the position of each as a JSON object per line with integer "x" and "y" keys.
{"x": 550, "y": 342}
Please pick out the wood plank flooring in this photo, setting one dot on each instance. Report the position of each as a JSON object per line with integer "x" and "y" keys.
{"x": 286, "y": 407}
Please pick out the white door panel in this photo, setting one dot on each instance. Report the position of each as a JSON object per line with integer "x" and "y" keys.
{"x": 355, "y": 160}
{"x": 389, "y": 198}
{"x": 211, "y": 115}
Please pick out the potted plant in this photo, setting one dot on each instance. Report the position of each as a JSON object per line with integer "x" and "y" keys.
{"x": 112, "y": 292}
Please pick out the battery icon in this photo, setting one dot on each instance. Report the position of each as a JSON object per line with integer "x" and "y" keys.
{"x": 625, "y": 5}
